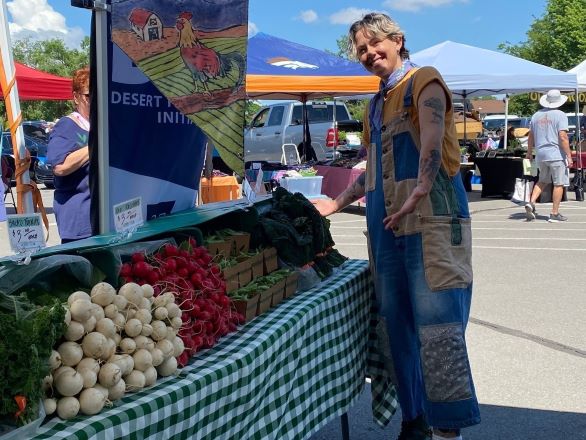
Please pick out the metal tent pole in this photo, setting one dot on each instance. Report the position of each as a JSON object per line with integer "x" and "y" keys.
{"x": 13, "y": 110}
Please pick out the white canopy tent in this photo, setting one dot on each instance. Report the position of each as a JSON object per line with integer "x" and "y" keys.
{"x": 580, "y": 71}
{"x": 472, "y": 71}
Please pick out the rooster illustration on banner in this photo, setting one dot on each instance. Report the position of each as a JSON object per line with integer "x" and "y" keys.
{"x": 194, "y": 52}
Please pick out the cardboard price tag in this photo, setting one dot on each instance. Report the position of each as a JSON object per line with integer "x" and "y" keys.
{"x": 128, "y": 215}
{"x": 25, "y": 232}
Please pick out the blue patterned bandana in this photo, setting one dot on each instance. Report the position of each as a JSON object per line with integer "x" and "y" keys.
{"x": 376, "y": 104}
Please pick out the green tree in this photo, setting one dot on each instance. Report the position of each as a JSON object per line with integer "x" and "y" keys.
{"x": 558, "y": 40}
{"x": 54, "y": 57}
{"x": 252, "y": 107}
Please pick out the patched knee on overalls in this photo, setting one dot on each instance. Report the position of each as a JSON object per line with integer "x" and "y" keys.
{"x": 446, "y": 371}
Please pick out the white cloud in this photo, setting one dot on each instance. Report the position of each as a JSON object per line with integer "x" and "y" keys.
{"x": 349, "y": 15}
{"x": 308, "y": 16}
{"x": 37, "y": 20}
{"x": 252, "y": 29}
{"x": 417, "y": 5}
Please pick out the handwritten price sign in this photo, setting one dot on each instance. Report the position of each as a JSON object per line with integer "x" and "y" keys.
{"x": 128, "y": 215}
{"x": 25, "y": 232}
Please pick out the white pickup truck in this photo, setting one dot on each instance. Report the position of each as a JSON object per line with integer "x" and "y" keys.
{"x": 282, "y": 123}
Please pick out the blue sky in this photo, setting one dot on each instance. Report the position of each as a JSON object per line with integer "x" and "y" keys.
{"x": 318, "y": 23}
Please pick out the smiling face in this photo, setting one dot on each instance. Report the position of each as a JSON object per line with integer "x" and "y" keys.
{"x": 379, "y": 55}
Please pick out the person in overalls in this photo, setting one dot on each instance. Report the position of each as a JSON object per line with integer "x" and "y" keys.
{"x": 419, "y": 234}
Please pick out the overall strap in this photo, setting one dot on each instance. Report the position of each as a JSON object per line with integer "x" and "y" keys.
{"x": 408, "y": 97}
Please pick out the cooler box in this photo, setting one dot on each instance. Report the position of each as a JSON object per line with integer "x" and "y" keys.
{"x": 308, "y": 186}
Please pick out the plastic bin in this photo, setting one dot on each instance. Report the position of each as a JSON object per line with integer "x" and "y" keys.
{"x": 308, "y": 186}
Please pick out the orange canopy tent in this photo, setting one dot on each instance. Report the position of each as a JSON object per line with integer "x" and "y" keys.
{"x": 36, "y": 85}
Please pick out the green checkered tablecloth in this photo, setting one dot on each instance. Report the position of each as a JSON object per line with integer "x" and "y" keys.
{"x": 282, "y": 376}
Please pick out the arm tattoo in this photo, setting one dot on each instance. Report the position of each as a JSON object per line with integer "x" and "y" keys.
{"x": 429, "y": 167}
{"x": 438, "y": 109}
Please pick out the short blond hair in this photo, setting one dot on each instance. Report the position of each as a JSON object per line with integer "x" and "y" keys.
{"x": 378, "y": 25}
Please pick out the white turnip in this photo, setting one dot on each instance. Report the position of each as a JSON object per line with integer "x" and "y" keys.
{"x": 109, "y": 374}
{"x": 98, "y": 312}
{"x": 133, "y": 327}
{"x": 159, "y": 330}
{"x": 132, "y": 292}
{"x": 166, "y": 347}
{"x": 90, "y": 364}
{"x": 74, "y": 331}
{"x": 120, "y": 302}
{"x": 111, "y": 311}
{"x": 89, "y": 377}
{"x": 150, "y": 376}
{"x": 147, "y": 330}
{"x": 91, "y": 401}
{"x": 157, "y": 356}
{"x": 168, "y": 367}
{"x": 142, "y": 359}
{"x": 178, "y": 346}
{"x": 144, "y": 316}
{"x": 71, "y": 353}
{"x": 81, "y": 310}
{"x": 67, "y": 408}
{"x": 176, "y": 323}
{"x": 127, "y": 345}
{"x": 106, "y": 327}
{"x": 103, "y": 294}
{"x": 54, "y": 360}
{"x": 147, "y": 290}
{"x": 68, "y": 383}
{"x": 144, "y": 342}
{"x": 117, "y": 391}
{"x": 89, "y": 325}
{"x": 161, "y": 313}
{"x": 50, "y": 406}
{"x": 78, "y": 295}
{"x": 95, "y": 345}
{"x": 135, "y": 380}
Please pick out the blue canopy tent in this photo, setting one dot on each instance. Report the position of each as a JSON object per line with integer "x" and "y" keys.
{"x": 281, "y": 69}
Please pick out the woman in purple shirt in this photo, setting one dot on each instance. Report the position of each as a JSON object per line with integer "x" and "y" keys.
{"x": 68, "y": 154}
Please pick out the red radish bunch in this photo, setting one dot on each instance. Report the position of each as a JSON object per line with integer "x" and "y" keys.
{"x": 189, "y": 272}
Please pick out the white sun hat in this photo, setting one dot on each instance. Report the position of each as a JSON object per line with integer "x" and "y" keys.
{"x": 553, "y": 99}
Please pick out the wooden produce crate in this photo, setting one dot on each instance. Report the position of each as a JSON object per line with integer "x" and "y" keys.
{"x": 248, "y": 308}
{"x": 223, "y": 248}
{"x": 270, "y": 260}
{"x": 240, "y": 243}
{"x": 278, "y": 292}
{"x": 231, "y": 277}
{"x": 291, "y": 284}
{"x": 264, "y": 302}
{"x": 257, "y": 264}
{"x": 244, "y": 268}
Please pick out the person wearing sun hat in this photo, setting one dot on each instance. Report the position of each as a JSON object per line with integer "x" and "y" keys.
{"x": 548, "y": 135}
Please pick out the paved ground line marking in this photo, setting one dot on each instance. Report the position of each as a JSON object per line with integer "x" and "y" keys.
{"x": 527, "y": 248}
{"x": 529, "y": 238}
{"x": 557, "y": 346}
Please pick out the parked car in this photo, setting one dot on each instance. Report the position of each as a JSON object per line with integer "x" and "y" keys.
{"x": 282, "y": 123}
{"x": 37, "y": 129}
{"x": 43, "y": 169}
{"x": 32, "y": 145}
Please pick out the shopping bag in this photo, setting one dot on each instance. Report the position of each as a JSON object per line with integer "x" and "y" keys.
{"x": 529, "y": 168}
{"x": 522, "y": 192}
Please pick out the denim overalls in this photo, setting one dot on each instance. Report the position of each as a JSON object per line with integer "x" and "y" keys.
{"x": 423, "y": 277}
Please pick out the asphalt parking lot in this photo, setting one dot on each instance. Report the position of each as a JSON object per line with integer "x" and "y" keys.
{"x": 527, "y": 331}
